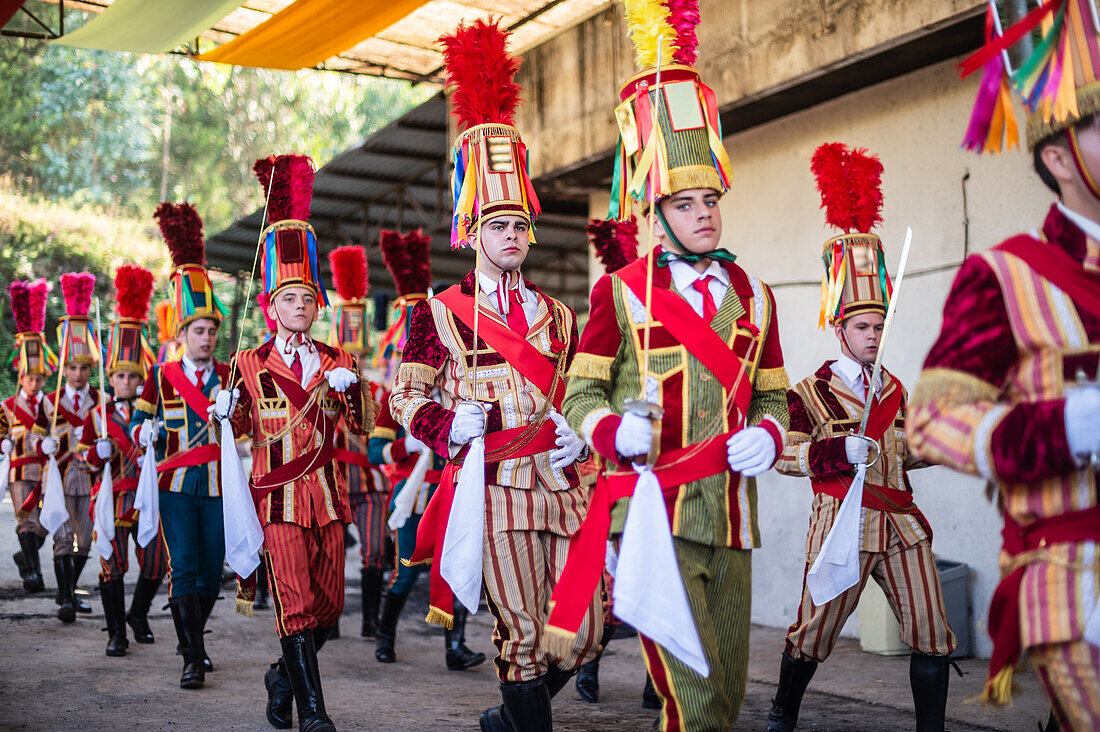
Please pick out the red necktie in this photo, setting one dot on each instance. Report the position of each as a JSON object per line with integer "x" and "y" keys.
{"x": 867, "y": 389}
{"x": 296, "y": 367}
{"x": 702, "y": 286}
{"x": 199, "y": 382}
{"x": 76, "y": 400}
{"x": 517, "y": 319}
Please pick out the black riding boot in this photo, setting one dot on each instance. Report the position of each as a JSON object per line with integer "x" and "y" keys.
{"x": 650, "y": 698}
{"x": 138, "y": 617}
{"x": 459, "y": 657}
{"x": 207, "y": 604}
{"x": 32, "y": 577}
{"x": 794, "y": 677}
{"x": 63, "y": 568}
{"x": 113, "y": 595}
{"x": 79, "y": 560}
{"x": 280, "y": 696}
{"x": 190, "y": 613}
{"x": 387, "y": 627}
{"x": 262, "y": 591}
{"x": 525, "y": 708}
{"x": 372, "y": 595}
{"x": 588, "y": 675}
{"x": 300, "y": 660}
{"x": 929, "y": 676}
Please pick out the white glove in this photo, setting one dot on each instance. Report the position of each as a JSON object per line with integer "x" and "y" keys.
{"x": 224, "y": 403}
{"x": 570, "y": 446}
{"x": 103, "y": 449}
{"x": 750, "y": 451}
{"x": 634, "y": 436}
{"x": 414, "y": 445}
{"x": 141, "y": 461}
{"x": 6, "y": 446}
{"x": 856, "y": 450}
{"x": 1083, "y": 421}
{"x": 145, "y": 433}
{"x": 469, "y": 422}
{"x": 341, "y": 378}
{"x": 78, "y": 434}
{"x": 48, "y": 446}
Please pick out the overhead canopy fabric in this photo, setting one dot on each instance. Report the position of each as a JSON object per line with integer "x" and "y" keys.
{"x": 9, "y": 8}
{"x": 148, "y": 26}
{"x": 309, "y": 31}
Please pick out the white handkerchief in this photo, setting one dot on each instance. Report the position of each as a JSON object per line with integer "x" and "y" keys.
{"x": 54, "y": 513}
{"x": 837, "y": 565}
{"x": 244, "y": 536}
{"x": 406, "y": 499}
{"x": 460, "y": 560}
{"x": 104, "y": 514}
{"x": 147, "y": 496}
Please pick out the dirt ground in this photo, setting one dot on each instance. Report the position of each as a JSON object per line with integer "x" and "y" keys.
{"x": 56, "y": 677}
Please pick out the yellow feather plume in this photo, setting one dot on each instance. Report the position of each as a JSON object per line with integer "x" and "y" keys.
{"x": 647, "y": 21}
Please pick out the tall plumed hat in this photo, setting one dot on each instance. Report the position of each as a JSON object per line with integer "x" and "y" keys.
{"x": 855, "y": 279}
{"x": 75, "y": 336}
{"x": 408, "y": 257}
{"x": 190, "y": 292}
{"x": 490, "y": 177}
{"x": 32, "y": 354}
{"x": 670, "y": 137}
{"x": 615, "y": 242}
{"x": 1059, "y": 82}
{"x": 128, "y": 345}
{"x": 350, "y": 325}
{"x": 169, "y": 346}
{"x": 289, "y": 244}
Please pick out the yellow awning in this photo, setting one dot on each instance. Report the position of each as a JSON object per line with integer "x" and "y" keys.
{"x": 309, "y": 31}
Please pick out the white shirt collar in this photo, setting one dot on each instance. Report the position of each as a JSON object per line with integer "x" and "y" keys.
{"x": 852, "y": 372}
{"x": 84, "y": 393}
{"x": 684, "y": 275}
{"x": 27, "y": 397}
{"x": 190, "y": 367}
{"x": 489, "y": 286}
{"x": 305, "y": 343}
{"x": 1087, "y": 225}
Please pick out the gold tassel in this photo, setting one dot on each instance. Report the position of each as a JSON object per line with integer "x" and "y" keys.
{"x": 244, "y": 607}
{"x": 557, "y": 642}
{"x": 438, "y": 617}
{"x": 998, "y": 690}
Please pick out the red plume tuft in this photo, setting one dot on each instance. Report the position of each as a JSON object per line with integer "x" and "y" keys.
{"x": 263, "y": 300}
{"x": 76, "y": 288}
{"x": 683, "y": 16}
{"x": 850, "y": 183}
{"x": 408, "y": 258}
{"x": 349, "y": 271}
{"x": 181, "y": 228}
{"x": 615, "y": 242}
{"x": 865, "y": 180}
{"x": 20, "y": 305}
{"x": 133, "y": 291}
{"x": 164, "y": 329}
{"x": 481, "y": 74}
{"x": 292, "y": 189}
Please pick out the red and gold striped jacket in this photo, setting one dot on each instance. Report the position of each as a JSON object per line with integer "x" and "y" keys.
{"x": 281, "y": 433}
{"x": 124, "y": 467}
{"x": 68, "y": 429}
{"x": 20, "y": 415}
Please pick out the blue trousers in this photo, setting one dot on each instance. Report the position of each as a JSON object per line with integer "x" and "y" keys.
{"x": 194, "y": 535}
{"x": 403, "y": 578}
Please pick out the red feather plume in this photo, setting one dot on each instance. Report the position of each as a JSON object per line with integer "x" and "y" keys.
{"x": 292, "y": 189}
{"x": 683, "y": 16}
{"x": 20, "y": 296}
{"x": 615, "y": 242}
{"x": 181, "y": 227}
{"x": 850, "y": 183}
{"x": 408, "y": 258}
{"x": 76, "y": 289}
{"x": 263, "y": 300}
{"x": 481, "y": 74}
{"x": 349, "y": 271}
{"x": 133, "y": 291}
{"x": 38, "y": 290}
{"x": 164, "y": 332}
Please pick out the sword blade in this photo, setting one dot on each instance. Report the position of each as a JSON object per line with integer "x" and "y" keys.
{"x": 876, "y": 372}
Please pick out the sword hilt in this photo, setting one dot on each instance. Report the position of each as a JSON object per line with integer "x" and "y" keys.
{"x": 654, "y": 413}
{"x": 873, "y": 448}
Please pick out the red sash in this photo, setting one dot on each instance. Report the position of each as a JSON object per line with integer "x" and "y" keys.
{"x": 73, "y": 420}
{"x": 199, "y": 402}
{"x": 118, "y": 434}
{"x": 694, "y": 333}
{"x": 355, "y": 458}
{"x": 28, "y": 460}
{"x": 26, "y": 419}
{"x": 515, "y": 349}
{"x": 433, "y": 524}
{"x": 1004, "y": 608}
{"x": 311, "y": 459}
{"x": 199, "y": 455}
{"x": 1052, "y": 263}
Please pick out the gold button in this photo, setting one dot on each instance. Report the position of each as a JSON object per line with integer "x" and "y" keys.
{"x": 705, "y": 376}
{"x": 701, "y": 413}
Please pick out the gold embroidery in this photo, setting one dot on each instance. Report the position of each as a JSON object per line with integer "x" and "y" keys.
{"x": 770, "y": 379}
{"x": 591, "y": 366}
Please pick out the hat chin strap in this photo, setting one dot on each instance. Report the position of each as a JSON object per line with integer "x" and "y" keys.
{"x": 1079, "y": 161}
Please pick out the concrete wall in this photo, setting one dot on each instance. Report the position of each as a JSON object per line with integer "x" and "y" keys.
{"x": 773, "y": 223}
{"x": 745, "y": 47}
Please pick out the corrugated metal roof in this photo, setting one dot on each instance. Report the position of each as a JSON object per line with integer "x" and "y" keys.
{"x": 399, "y": 178}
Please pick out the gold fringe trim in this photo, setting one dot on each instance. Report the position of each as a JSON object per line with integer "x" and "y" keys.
{"x": 687, "y": 177}
{"x": 558, "y": 642}
{"x": 771, "y": 379}
{"x": 998, "y": 690}
{"x": 1040, "y": 128}
{"x": 591, "y": 366}
{"x": 951, "y": 385}
{"x": 438, "y": 617}
{"x": 143, "y": 406}
{"x": 415, "y": 372}
{"x": 407, "y": 563}
{"x": 244, "y": 607}
{"x": 384, "y": 433}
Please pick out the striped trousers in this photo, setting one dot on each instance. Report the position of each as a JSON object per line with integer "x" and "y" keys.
{"x": 20, "y": 491}
{"x": 718, "y": 581}
{"x": 152, "y": 559}
{"x": 368, "y": 513}
{"x": 75, "y": 535}
{"x": 1070, "y": 676}
{"x": 908, "y": 577}
{"x": 305, "y": 573}
{"x": 521, "y": 567}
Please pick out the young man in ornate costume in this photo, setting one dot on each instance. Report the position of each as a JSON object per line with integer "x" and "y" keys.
{"x": 175, "y": 398}
{"x": 288, "y": 396}
{"x": 499, "y": 396}
{"x": 1009, "y": 390}
{"x": 895, "y": 540}
{"x": 704, "y": 336}
{"x": 128, "y": 361}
